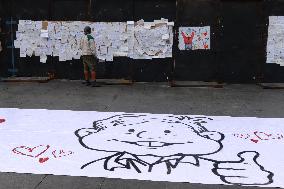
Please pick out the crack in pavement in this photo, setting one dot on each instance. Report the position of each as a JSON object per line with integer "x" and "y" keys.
{"x": 37, "y": 185}
{"x": 101, "y": 184}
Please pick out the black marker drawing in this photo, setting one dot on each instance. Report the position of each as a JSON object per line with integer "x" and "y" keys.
{"x": 143, "y": 141}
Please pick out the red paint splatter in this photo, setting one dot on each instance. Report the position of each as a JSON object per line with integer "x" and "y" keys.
{"x": 254, "y": 140}
{"x": 42, "y": 160}
{"x": 206, "y": 46}
{"x": 205, "y": 34}
{"x": 2, "y": 120}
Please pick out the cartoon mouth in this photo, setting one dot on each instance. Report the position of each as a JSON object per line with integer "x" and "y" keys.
{"x": 152, "y": 144}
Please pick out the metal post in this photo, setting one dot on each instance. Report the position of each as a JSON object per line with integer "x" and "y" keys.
{"x": 13, "y": 70}
{"x": 12, "y": 44}
{"x": 171, "y": 78}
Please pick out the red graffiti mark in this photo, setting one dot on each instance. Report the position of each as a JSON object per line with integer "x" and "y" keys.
{"x": 244, "y": 136}
{"x": 42, "y": 160}
{"x": 2, "y": 120}
{"x": 61, "y": 153}
{"x": 280, "y": 136}
{"x": 206, "y": 46}
{"x": 38, "y": 151}
{"x": 254, "y": 140}
{"x": 262, "y": 135}
{"x": 31, "y": 151}
{"x": 205, "y": 34}
{"x": 258, "y": 136}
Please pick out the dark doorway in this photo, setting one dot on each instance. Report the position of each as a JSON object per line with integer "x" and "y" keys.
{"x": 242, "y": 46}
{"x": 197, "y": 65}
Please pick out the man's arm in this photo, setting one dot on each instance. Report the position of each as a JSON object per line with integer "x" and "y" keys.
{"x": 93, "y": 46}
{"x": 81, "y": 43}
{"x": 184, "y": 36}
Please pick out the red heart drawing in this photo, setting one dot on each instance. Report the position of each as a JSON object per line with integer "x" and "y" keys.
{"x": 2, "y": 120}
{"x": 61, "y": 153}
{"x": 42, "y": 160}
{"x": 31, "y": 152}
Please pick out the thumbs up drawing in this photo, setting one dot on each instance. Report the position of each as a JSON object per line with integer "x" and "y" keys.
{"x": 246, "y": 171}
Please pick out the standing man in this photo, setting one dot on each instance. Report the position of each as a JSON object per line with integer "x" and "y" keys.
{"x": 88, "y": 47}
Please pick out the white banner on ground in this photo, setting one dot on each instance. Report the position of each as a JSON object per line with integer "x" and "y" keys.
{"x": 159, "y": 147}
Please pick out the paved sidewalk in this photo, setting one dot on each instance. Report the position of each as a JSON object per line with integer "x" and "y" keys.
{"x": 232, "y": 100}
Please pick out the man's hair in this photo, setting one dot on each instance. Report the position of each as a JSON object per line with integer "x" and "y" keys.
{"x": 192, "y": 122}
{"x": 87, "y": 30}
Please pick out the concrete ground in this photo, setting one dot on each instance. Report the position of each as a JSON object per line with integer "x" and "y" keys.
{"x": 232, "y": 100}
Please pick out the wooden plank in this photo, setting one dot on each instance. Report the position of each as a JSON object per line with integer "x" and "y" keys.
{"x": 27, "y": 79}
{"x": 272, "y": 85}
{"x": 196, "y": 84}
{"x": 114, "y": 82}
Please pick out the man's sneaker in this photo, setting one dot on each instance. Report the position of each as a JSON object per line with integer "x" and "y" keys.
{"x": 86, "y": 82}
{"x": 95, "y": 84}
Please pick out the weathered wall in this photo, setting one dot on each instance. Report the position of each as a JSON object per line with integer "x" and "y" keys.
{"x": 238, "y": 38}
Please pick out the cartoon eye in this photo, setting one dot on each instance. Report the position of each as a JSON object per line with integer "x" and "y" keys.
{"x": 131, "y": 130}
{"x": 167, "y": 131}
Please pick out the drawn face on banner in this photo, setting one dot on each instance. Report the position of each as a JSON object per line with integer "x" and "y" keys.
{"x": 156, "y": 135}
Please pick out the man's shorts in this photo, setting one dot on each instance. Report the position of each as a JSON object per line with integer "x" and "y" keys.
{"x": 89, "y": 62}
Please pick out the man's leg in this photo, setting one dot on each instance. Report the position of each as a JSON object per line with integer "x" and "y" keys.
{"x": 86, "y": 71}
{"x": 93, "y": 76}
{"x": 93, "y": 64}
